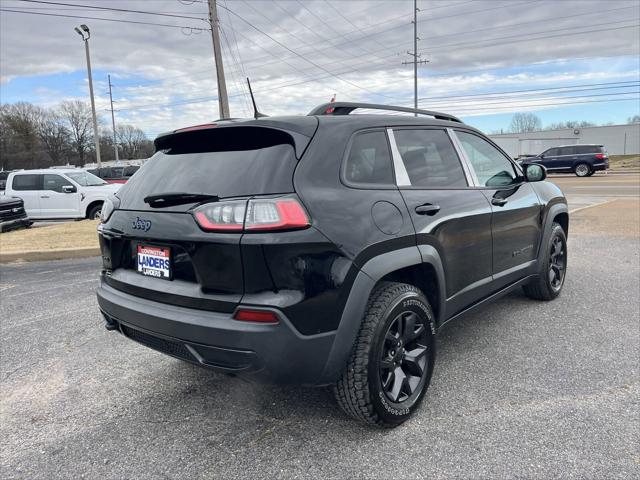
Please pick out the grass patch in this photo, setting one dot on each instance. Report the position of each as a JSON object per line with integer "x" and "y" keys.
{"x": 68, "y": 235}
{"x": 621, "y": 162}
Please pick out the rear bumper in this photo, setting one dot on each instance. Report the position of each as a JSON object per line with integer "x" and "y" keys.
{"x": 272, "y": 353}
{"x": 600, "y": 166}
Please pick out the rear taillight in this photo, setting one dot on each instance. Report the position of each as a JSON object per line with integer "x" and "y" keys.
{"x": 600, "y": 156}
{"x": 259, "y": 316}
{"x": 222, "y": 216}
{"x": 261, "y": 214}
{"x": 275, "y": 214}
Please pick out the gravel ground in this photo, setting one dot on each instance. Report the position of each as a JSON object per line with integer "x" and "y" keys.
{"x": 520, "y": 389}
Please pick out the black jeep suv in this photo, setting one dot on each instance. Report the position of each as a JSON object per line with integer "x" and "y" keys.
{"x": 325, "y": 249}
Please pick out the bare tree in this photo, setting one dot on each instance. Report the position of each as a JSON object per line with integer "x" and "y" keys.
{"x": 132, "y": 140}
{"x": 77, "y": 116}
{"x": 53, "y": 135}
{"x": 525, "y": 122}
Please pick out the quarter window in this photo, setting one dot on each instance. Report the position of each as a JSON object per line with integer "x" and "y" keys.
{"x": 27, "y": 182}
{"x": 430, "y": 159}
{"x": 492, "y": 168}
{"x": 369, "y": 160}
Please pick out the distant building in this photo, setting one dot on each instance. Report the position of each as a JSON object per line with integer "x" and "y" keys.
{"x": 617, "y": 139}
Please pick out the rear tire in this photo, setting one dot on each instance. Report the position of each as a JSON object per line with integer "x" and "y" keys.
{"x": 391, "y": 363}
{"x": 548, "y": 284}
{"x": 582, "y": 170}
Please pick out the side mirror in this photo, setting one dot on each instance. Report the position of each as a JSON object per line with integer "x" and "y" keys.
{"x": 541, "y": 155}
{"x": 69, "y": 189}
{"x": 534, "y": 172}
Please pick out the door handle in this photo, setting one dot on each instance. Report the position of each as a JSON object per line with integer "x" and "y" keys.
{"x": 427, "y": 209}
{"x": 499, "y": 202}
{"x": 44, "y": 196}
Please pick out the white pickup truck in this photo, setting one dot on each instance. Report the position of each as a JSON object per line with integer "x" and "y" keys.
{"x": 59, "y": 193}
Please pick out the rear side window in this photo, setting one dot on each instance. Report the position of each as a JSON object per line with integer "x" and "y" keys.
{"x": 55, "y": 183}
{"x": 430, "y": 159}
{"x": 27, "y": 182}
{"x": 492, "y": 168}
{"x": 228, "y": 162}
{"x": 567, "y": 151}
{"x": 369, "y": 160}
{"x": 582, "y": 149}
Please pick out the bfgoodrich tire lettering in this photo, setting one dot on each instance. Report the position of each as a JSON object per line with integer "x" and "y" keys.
{"x": 374, "y": 386}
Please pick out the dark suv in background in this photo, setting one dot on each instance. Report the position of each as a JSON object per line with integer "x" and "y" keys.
{"x": 326, "y": 249}
{"x": 120, "y": 174}
{"x": 583, "y": 160}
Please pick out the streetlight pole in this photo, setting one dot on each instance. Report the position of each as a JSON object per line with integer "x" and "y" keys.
{"x": 113, "y": 121}
{"x": 83, "y": 31}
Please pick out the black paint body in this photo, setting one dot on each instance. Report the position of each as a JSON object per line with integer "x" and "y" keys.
{"x": 318, "y": 279}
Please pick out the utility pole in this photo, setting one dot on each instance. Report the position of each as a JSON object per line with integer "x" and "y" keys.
{"x": 113, "y": 121}
{"x": 84, "y": 32}
{"x": 223, "y": 100}
{"x": 415, "y": 56}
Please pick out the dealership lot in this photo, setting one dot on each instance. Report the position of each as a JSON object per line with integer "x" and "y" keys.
{"x": 520, "y": 388}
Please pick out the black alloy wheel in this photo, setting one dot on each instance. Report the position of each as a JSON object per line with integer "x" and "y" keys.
{"x": 548, "y": 283}
{"x": 557, "y": 257}
{"x": 404, "y": 359}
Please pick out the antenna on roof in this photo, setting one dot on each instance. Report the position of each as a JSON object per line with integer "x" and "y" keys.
{"x": 256, "y": 113}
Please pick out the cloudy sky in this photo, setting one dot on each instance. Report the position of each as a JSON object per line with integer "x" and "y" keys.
{"x": 562, "y": 59}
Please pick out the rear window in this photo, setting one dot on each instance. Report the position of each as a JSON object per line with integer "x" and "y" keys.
{"x": 582, "y": 149}
{"x": 27, "y": 182}
{"x": 223, "y": 164}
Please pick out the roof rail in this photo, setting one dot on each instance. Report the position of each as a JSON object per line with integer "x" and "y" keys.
{"x": 345, "y": 108}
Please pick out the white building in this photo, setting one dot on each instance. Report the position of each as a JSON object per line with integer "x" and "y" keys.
{"x": 617, "y": 139}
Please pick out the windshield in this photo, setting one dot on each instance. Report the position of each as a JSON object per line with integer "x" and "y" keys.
{"x": 86, "y": 179}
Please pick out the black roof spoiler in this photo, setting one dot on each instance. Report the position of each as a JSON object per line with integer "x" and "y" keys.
{"x": 345, "y": 108}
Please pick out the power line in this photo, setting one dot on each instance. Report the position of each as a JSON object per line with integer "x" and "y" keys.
{"x": 395, "y": 46}
{"x": 299, "y": 55}
{"x": 111, "y": 9}
{"x": 537, "y": 90}
{"x": 86, "y": 17}
{"x": 450, "y": 97}
{"x": 521, "y": 39}
{"x": 524, "y": 107}
{"x": 507, "y": 102}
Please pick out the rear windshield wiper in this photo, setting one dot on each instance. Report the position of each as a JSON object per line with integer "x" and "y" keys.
{"x": 170, "y": 199}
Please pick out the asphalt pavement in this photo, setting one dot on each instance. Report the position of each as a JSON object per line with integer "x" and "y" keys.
{"x": 520, "y": 389}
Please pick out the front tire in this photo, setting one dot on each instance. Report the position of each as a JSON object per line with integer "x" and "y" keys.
{"x": 582, "y": 170}
{"x": 550, "y": 280}
{"x": 94, "y": 213}
{"x": 391, "y": 364}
